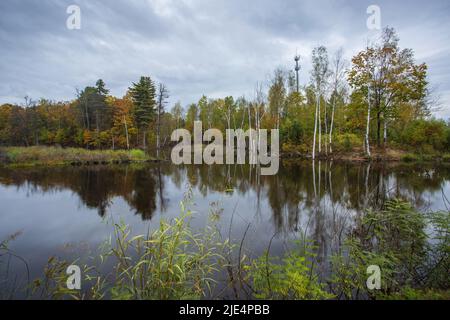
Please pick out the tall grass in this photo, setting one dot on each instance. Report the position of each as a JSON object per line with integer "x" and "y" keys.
{"x": 9, "y": 288}
{"x": 55, "y": 155}
{"x": 171, "y": 263}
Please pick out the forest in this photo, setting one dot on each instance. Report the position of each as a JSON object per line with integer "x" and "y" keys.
{"x": 379, "y": 101}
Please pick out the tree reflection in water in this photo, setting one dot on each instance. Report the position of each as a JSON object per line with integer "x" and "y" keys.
{"x": 319, "y": 199}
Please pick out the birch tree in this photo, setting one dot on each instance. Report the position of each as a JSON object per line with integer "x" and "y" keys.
{"x": 393, "y": 79}
{"x": 177, "y": 113}
{"x": 277, "y": 96}
{"x": 319, "y": 77}
{"x": 259, "y": 107}
{"x": 163, "y": 95}
{"x": 338, "y": 86}
{"x": 367, "y": 143}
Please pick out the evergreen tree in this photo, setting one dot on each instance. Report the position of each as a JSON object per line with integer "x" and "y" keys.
{"x": 143, "y": 96}
{"x": 101, "y": 87}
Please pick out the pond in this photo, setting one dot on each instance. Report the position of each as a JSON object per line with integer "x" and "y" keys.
{"x": 65, "y": 211}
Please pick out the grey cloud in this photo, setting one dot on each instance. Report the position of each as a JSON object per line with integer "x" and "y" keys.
{"x": 196, "y": 46}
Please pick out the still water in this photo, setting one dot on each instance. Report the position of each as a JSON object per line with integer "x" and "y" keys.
{"x": 67, "y": 211}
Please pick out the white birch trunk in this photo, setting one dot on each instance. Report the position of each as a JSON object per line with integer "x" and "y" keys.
{"x": 315, "y": 133}
{"x": 331, "y": 125}
{"x": 320, "y": 126}
{"x": 368, "y": 124}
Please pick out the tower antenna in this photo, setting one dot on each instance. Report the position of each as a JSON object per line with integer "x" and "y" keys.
{"x": 297, "y": 69}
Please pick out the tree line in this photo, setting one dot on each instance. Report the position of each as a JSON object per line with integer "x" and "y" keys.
{"x": 379, "y": 99}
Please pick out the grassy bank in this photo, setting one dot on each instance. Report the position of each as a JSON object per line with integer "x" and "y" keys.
{"x": 48, "y": 156}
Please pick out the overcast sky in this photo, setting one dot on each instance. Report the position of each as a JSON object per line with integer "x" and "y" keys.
{"x": 216, "y": 48}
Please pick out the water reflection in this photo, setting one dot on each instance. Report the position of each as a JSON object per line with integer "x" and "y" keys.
{"x": 319, "y": 201}
{"x": 298, "y": 188}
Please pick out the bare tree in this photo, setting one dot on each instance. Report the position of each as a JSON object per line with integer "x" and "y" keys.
{"x": 338, "y": 85}
{"x": 260, "y": 109}
{"x": 163, "y": 95}
{"x": 277, "y": 95}
{"x": 177, "y": 113}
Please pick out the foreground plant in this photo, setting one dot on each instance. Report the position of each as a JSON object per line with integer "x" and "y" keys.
{"x": 9, "y": 285}
{"x": 173, "y": 262}
{"x": 414, "y": 261}
{"x": 291, "y": 277}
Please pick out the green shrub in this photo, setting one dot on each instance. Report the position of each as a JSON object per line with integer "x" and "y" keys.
{"x": 410, "y": 157}
{"x": 395, "y": 240}
{"x": 418, "y": 294}
{"x": 137, "y": 154}
{"x": 291, "y": 277}
{"x": 291, "y": 131}
{"x": 446, "y": 157}
{"x": 346, "y": 142}
{"x": 301, "y": 149}
{"x": 425, "y": 136}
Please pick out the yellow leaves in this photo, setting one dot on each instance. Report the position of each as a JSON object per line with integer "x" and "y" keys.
{"x": 87, "y": 137}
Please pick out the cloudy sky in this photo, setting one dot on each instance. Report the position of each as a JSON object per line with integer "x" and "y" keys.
{"x": 212, "y": 47}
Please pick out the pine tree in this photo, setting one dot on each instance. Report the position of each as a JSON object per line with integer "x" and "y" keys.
{"x": 101, "y": 87}
{"x": 143, "y": 96}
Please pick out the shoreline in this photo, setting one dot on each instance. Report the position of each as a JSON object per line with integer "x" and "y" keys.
{"x": 377, "y": 156}
{"x": 57, "y": 156}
